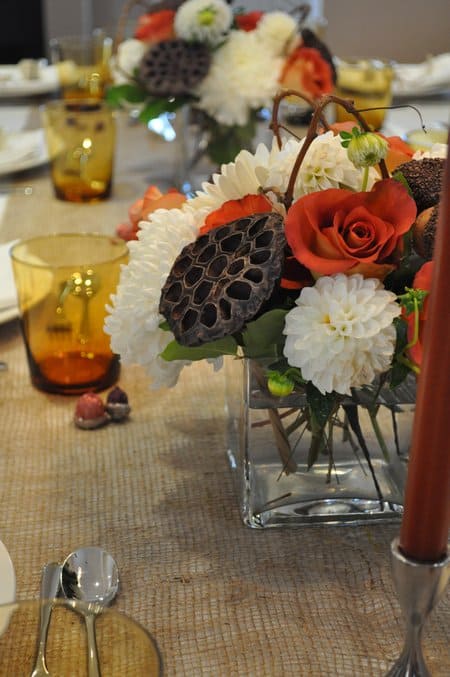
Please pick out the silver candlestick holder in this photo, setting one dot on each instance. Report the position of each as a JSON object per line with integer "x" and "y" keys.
{"x": 419, "y": 587}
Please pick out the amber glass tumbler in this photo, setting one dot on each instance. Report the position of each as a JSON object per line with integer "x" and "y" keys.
{"x": 368, "y": 82}
{"x": 80, "y": 137}
{"x": 63, "y": 285}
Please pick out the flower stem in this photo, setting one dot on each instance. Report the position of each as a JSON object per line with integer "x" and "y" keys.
{"x": 377, "y": 430}
{"x": 365, "y": 179}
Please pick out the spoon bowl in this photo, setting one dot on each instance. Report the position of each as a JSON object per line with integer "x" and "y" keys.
{"x": 90, "y": 575}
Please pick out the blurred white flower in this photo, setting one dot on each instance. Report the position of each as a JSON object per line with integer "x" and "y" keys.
{"x": 278, "y": 31}
{"x": 203, "y": 20}
{"x": 437, "y": 150}
{"x": 243, "y": 77}
{"x": 129, "y": 55}
{"x": 134, "y": 319}
{"x": 341, "y": 332}
{"x": 326, "y": 165}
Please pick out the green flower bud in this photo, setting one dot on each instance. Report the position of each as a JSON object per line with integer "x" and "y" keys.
{"x": 279, "y": 385}
{"x": 367, "y": 149}
{"x": 206, "y": 16}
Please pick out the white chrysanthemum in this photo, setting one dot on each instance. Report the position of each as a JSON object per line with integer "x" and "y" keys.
{"x": 278, "y": 31}
{"x": 243, "y": 77}
{"x": 203, "y": 20}
{"x": 437, "y": 150}
{"x": 244, "y": 176}
{"x": 325, "y": 165}
{"x": 129, "y": 55}
{"x": 134, "y": 319}
{"x": 341, "y": 333}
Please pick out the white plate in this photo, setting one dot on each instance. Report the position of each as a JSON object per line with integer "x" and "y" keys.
{"x": 8, "y": 314}
{"x": 12, "y": 82}
{"x": 28, "y": 150}
{"x": 7, "y": 577}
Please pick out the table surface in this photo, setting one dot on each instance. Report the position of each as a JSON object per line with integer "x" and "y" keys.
{"x": 221, "y": 599}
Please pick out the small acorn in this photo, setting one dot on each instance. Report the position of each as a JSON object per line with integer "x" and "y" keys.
{"x": 117, "y": 404}
{"x": 90, "y": 412}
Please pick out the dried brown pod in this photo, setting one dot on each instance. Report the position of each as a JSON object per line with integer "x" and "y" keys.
{"x": 424, "y": 232}
{"x": 220, "y": 281}
{"x": 424, "y": 179}
{"x": 174, "y": 67}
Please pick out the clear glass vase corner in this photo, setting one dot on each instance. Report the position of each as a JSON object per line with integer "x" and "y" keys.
{"x": 268, "y": 448}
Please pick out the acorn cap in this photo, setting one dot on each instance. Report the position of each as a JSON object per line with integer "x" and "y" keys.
{"x": 424, "y": 179}
{"x": 429, "y": 234}
{"x": 220, "y": 281}
{"x": 174, "y": 67}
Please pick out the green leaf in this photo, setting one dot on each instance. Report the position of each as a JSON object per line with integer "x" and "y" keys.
{"x": 321, "y": 406}
{"x": 399, "y": 370}
{"x": 155, "y": 107}
{"x": 116, "y": 95}
{"x": 264, "y": 337}
{"x": 346, "y": 135}
{"x": 175, "y": 351}
{"x": 400, "y": 177}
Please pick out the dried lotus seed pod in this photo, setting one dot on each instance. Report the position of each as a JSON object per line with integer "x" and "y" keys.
{"x": 221, "y": 280}
{"x": 174, "y": 67}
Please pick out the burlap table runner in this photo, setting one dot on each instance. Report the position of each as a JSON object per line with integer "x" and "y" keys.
{"x": 221, "y": 600}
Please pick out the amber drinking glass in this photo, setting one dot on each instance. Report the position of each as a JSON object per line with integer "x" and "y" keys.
{"x": 63, "y": 284}
{"x": 368, "y": 82}
{"x": 80, "y": 137}
{"x": 82, "y": 62}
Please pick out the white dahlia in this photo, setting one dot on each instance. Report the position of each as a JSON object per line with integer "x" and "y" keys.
{"x": 437, "y": 150}
{"x": 134, "y": 319}
{"x": 277, "y": 30}
{"x": 203, "y": 20}
{"x": 341, "y": 333}
{"x": 325, "y": 165}
{"x": 245, "y": 176}
{"x": 129, "y": 55}
{"x": 243, "y": 77}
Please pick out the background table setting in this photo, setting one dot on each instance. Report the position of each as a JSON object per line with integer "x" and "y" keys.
{"x": 156, "y": 489}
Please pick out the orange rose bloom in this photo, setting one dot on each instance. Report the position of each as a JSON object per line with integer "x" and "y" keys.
{"x": 338, "y": 231}
{"x": 248, "y": 22}
{"x": 236, "y": 209}
{"x": 306, "y": 71}
{"x": 155, "y": 26}
{"x": 141, "y": 209}
{"x": 422, "y": 280}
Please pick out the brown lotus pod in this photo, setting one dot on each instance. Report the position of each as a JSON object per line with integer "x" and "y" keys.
{"x": 174, "y": 67}
{"x": 424, "y": 232}
{"x": 424, "y": 179}
{"x": 220, "y": 281}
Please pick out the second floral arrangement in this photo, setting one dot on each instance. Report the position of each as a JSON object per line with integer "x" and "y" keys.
{"x": 226, "y": 64}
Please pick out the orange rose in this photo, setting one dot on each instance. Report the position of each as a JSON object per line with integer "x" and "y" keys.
{"x": 249, "y": 21}
{"x": 338, "y": 231}
{"x": 141, "y": 209}
{"x": 422, "y": 280}
{"x": 236, "y": 209}
{"x": 155, "y": 26}
{"x": 306, "y": 71}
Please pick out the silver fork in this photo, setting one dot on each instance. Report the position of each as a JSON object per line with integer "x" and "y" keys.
{"x": 50, "y": 582}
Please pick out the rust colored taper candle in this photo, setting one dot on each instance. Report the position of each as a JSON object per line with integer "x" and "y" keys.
{"x": 426, "y": 520}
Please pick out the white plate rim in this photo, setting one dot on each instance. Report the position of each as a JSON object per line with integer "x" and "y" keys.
{"x": 8, "y": 314}
{"x": 35, "y": 160}
{"x": 17, "y": 88}
{"x": 7, "y": 577}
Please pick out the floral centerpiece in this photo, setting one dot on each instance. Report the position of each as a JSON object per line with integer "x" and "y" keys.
{"x": 227, "y": 65}
{"x": 307, "y": 257}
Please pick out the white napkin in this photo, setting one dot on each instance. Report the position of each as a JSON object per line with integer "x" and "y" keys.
{"x": 8, "y": 296}
{"x": 433, "y": 75}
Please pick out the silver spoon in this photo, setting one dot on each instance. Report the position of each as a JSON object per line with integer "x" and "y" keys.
{"x": 90, "y": 575}
{"x": 50, "y": 582}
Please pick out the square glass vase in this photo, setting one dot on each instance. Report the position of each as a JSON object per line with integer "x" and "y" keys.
{"x": 268, "y": 453}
